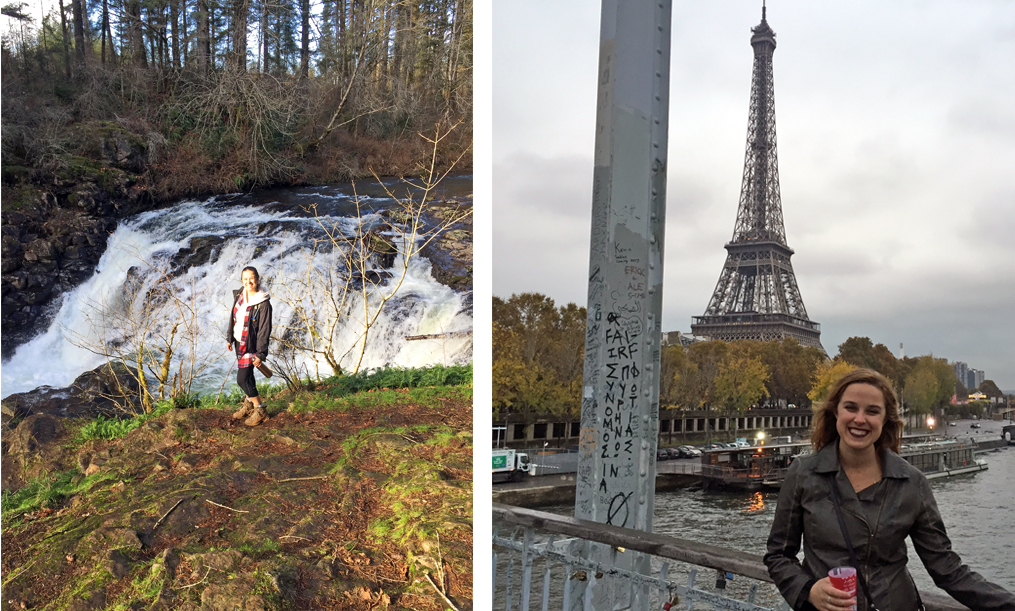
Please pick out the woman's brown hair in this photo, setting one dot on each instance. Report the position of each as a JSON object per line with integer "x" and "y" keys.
{"x": 824, "y": 431}
{"x": 257, "y": 276}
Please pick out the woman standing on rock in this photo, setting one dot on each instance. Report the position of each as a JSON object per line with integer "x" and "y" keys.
{"x": 249, "y": 329}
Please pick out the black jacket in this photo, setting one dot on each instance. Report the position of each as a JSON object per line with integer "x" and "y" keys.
{"x": 258, "y": 326}
{"x": 805, "y": 510}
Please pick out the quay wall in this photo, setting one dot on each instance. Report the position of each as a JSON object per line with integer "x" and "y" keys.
{"x": 676, "y": 427}
{"x": 542, "y": 491}
{"x": 984, "y": 445}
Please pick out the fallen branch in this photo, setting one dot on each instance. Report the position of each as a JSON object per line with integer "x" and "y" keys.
{"x": 224, "y": 507}
{"x": 198, "y": 582}
{"x": 294, "y": 537}
{"x": 410, "y": 338}
{"x": 154, "y": 528}
{"x": 297, "y": 479}
{"x": 447, "y": 600}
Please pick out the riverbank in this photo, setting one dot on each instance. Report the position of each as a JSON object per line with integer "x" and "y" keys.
{"x": 355, "y": 495}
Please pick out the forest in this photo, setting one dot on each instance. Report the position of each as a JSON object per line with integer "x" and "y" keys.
{"x": 209, "y": 96}
{"x": 538, "y": 361}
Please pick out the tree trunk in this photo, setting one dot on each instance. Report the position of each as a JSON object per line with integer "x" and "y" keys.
{"x": 135, "y": 35}
{"x": 79, "y": 32}
{"x": 241, "y": 9}
{"x": 389, "y": 18}
{"x": 201, "y": 49}
{"x": 264, "y": 36}
{"x": 105, "y": 26}
{"x": 343, "y": 43}
{"x": 305, "y": 46}
{"x": 174, "y": 18}
{"x": 66, "y": 40}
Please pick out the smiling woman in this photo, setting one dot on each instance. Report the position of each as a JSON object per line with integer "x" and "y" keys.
{"x": 855, "y": 497}
{"x": 249, "y": 331}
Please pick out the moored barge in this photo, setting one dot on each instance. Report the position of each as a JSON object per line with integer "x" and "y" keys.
{"x": 759, "y": 467}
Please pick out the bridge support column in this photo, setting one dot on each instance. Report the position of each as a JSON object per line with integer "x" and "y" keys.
{"x": 620, "y": 396}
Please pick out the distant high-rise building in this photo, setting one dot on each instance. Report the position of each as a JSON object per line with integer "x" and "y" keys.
{"x": 961, "y": 372}
{"x": 977, "y": 377}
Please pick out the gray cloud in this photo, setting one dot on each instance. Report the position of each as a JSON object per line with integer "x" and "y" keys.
{"x": 896, "y": 142}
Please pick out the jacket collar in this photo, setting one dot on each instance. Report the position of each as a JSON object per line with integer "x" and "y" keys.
{"x": 259, "y": 297}
{"x": 892, "y": 465}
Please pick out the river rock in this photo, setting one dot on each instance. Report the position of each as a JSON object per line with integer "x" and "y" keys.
{"x": 198, "y": 253}
{"x": 34, "y": 448}
{"x": 106, "y": 390}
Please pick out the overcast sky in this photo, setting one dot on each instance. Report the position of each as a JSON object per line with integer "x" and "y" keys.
{"x": 896, "y": 132}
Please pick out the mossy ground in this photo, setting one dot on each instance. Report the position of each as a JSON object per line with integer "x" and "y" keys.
{"x": 336, "y": 502}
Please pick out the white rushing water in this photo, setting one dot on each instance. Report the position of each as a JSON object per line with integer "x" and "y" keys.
{"x": 113, "y": 306}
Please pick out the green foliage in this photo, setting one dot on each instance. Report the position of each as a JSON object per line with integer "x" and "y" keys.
{"x": 395, "y": 377}
{"x": 740, "y": 383}
{"x": 989, "y": 388}
{"x": 268, "y": 545}
{"x": 114, "y": 428}
{"x": 826, "y": 375}
{"x": 538, "y": 355}
{"x": 47, "y": 492}
{"x": 930, "y": 383}
{"x": 419, "y": 503}
{"x": 862, "y": 352}
{"x": 921, "y": 390}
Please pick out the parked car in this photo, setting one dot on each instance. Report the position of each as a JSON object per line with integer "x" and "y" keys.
{"x": 974, "y": 425}
{"x": 662, "y": 454}
{"x": 713, "y": 446}
{"x": 951, "y": 423}
{"x": 673, "y": 452}
{"x": 688, "y": 452}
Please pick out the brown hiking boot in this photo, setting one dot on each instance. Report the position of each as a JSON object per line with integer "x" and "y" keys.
{"x": 257, "y": 416}
{"x": 245, "y": 410}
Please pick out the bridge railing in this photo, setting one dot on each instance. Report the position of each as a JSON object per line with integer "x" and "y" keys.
{"x": 538, "y": 561}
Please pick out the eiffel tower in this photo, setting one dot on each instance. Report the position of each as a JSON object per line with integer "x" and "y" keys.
{"x": 757, "y": 295}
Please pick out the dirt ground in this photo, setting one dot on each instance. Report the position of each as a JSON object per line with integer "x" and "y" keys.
{"x": 360, "y": 508}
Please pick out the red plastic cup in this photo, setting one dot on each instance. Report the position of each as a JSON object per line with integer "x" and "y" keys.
{"x": 844, "y": 578}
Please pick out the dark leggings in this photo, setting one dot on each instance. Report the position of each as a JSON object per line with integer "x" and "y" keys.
{"x": 245, "y": 377}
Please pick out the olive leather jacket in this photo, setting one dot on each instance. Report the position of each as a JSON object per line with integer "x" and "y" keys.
{"x": 905, "y": 509}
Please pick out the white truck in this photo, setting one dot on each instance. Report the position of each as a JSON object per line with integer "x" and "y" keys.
{"x": 509, "y": 465}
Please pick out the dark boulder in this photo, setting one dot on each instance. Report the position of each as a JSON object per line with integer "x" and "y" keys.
{"x": 109, "y": 390}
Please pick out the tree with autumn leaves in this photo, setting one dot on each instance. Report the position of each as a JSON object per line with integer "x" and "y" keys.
{"x": 538, "y": 356}
{"x": 538, "y": 360}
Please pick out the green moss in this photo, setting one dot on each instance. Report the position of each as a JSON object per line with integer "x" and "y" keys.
{"x": 146, "y": 586}
{"x": 22, "y": 196}
{"x": 268, "y": 545}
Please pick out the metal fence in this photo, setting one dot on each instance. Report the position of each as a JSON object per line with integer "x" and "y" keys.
{"x": 555, "y": 463}
{"x": 540, "y": 558}
{"x": 689, "y": 467}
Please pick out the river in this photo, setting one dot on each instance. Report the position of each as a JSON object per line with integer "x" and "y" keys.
{"x": 977, "y": 511}
{"x": 272, "y": 231}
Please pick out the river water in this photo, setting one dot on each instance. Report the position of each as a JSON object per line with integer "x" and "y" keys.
{"x": 272, "y": 231}
{"x": 977, "y": 510}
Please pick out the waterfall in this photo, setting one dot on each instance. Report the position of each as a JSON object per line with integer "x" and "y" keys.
{"x": 194, "y": 252}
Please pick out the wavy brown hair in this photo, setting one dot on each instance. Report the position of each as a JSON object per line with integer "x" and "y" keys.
{"x": 824, "y": 431}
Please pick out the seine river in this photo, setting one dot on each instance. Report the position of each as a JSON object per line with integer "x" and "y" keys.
{"x": 977, "y": 510}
